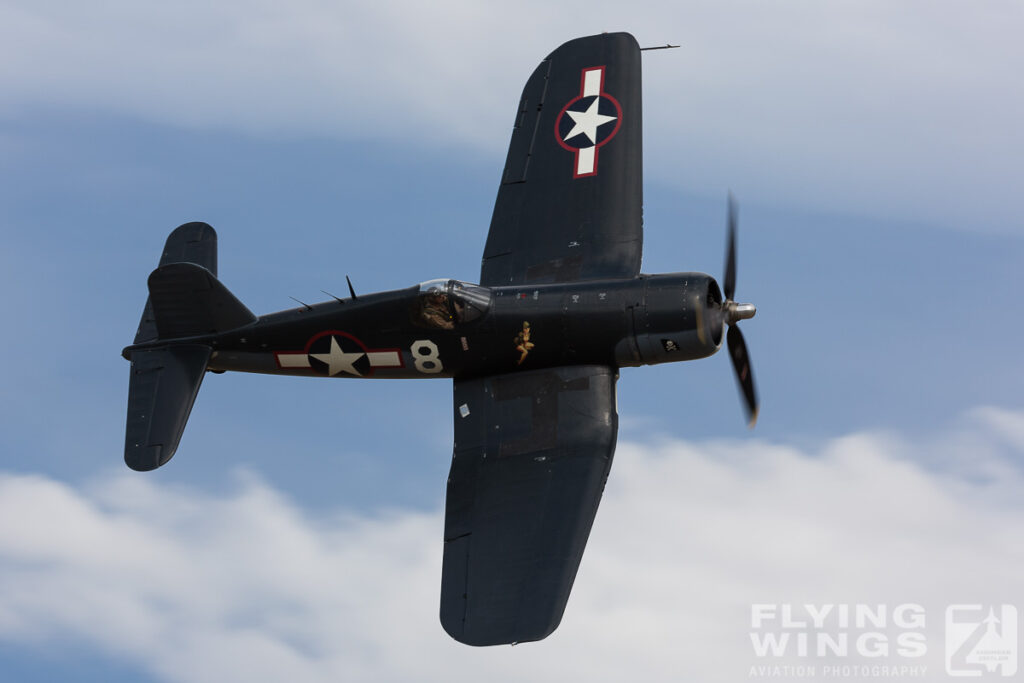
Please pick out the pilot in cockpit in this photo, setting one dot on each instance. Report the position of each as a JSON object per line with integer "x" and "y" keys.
{"x": 447, "y": 304}
{"x": 436, "y": 311}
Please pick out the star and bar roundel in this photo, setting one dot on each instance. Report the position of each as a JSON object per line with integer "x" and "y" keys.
{"x": 589, "y": 121}
{"x": 333, "y": 353}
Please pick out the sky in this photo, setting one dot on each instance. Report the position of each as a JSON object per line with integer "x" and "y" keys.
{"x": 874, "y": 149}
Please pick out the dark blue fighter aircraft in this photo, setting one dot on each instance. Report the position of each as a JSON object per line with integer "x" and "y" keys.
{"x": 534, "y": 350}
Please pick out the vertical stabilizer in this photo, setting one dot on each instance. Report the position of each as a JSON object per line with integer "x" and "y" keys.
{"x": 186, "y": 300}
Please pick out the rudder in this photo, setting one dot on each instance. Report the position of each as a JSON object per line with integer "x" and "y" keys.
{"x": 186, "y": 300}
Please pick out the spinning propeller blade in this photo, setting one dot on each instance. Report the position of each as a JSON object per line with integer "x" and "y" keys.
{"x": 744, "y": 375}
{"x": 733, "y": 313}
{"x": 729, "y": 282}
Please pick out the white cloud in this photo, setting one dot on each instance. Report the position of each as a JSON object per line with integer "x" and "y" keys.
{"x": 900, "y": 110}
{"x": 193, "y": 587}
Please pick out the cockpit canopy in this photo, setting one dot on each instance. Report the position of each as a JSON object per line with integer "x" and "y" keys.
{"x": 446, "y": 304}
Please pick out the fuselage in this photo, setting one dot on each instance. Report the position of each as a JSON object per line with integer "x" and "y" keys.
{"x": 453, "y": 329}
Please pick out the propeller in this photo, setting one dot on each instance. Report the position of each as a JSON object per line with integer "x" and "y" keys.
{"x": 732, "y": 314}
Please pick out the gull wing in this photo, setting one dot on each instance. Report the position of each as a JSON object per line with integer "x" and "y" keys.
{"x": 532, "y": 454}
{"x": 571, "y": 197}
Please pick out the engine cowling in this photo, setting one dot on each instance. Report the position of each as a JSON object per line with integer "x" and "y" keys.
{"x": 679, "y": 318}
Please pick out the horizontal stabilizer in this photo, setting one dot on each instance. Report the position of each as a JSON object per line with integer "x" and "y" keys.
{"x": 162, "y": 388}
{"x": 193, "y": 243}
{"x": 188, "y": 300}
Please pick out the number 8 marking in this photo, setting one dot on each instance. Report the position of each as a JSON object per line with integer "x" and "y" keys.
{"x": 428, "y": 363}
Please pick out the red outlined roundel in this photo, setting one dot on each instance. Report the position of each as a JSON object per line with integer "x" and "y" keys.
{"x": 588, "y": 122}
{"x": 333, "y": 352}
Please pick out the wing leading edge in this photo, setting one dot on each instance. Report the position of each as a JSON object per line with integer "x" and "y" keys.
{"x": 532, "y": 454}
{"x": 570, "y": 202}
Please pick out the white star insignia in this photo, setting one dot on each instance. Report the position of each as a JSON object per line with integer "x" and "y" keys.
{"x": 587, "y": 122}
{"x": 338, "y": 360}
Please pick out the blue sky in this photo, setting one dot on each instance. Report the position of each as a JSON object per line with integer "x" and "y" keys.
{"x": 874, "y": 149}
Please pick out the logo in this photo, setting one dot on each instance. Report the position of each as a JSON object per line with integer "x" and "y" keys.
{"x": 871, "y": 641}
{"x": 838, "y": 641}
{"x": 981, "y": 640}
{"x": 588, "y": 122}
